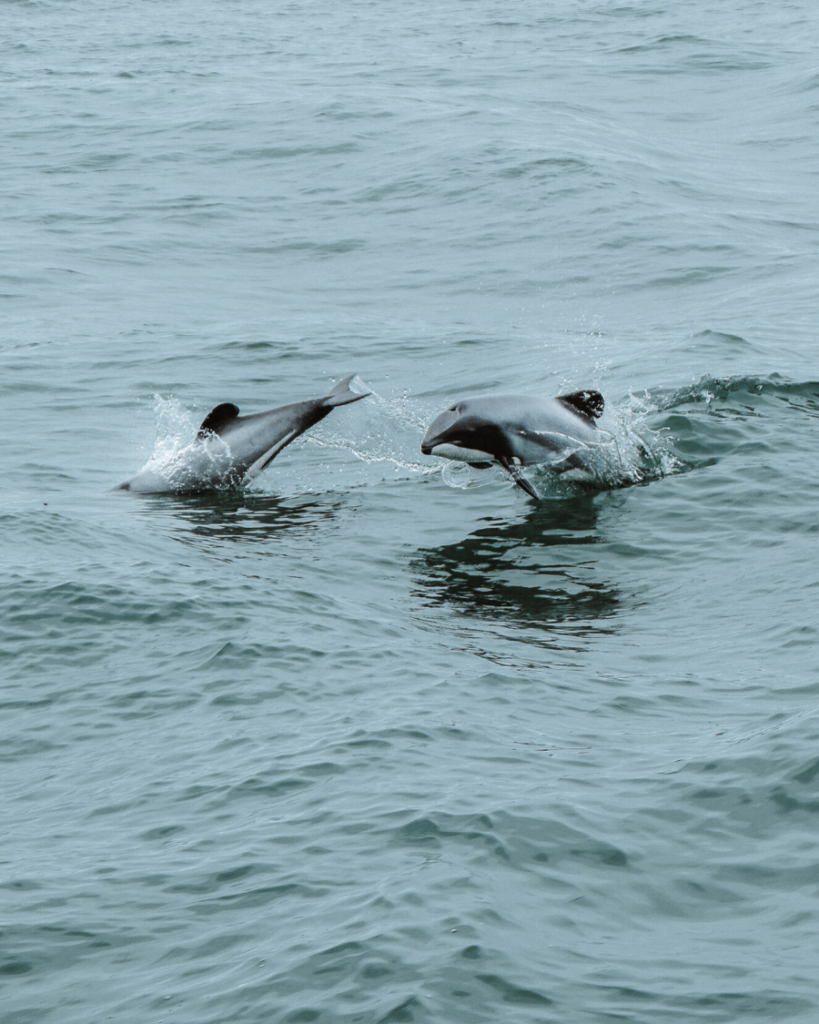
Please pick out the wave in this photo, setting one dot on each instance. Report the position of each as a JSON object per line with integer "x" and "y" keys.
{"x": 743, "y": 391}
{"x": 715, "y": 417}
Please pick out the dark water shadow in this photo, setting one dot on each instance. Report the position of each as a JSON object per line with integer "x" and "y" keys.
{"x": 237, "y": 516}
{"x": 539, "y": 572}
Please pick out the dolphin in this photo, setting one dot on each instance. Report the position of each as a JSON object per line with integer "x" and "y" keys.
{"x": 517, "y": 431}
{"x": 229, "y": 449}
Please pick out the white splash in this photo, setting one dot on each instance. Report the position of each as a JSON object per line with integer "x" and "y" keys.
{"x": 178, "y": 456}
{"x": 378, "y": 430}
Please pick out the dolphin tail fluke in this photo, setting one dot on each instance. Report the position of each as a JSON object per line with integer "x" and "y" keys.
{"x": 342, "y": 394}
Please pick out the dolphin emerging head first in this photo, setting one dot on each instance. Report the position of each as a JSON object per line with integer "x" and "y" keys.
{"x": 516, "y": 431}
{"x": 230, "y": 449}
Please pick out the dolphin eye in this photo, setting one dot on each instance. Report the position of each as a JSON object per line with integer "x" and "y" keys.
{"x": 452, "y": 408}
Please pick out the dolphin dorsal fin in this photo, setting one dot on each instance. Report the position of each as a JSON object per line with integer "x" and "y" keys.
{"x": 217, "y": 419}
{"x": 588, "y": 403}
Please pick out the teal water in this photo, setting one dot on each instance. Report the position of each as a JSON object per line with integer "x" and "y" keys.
{"x": 369, "y": 742}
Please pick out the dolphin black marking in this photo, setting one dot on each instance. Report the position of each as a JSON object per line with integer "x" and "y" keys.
{"x": 516, "y": 431}
{"x": 588, "y": 403}
{"x": 229, "y": 449}
{"x": 217, "y": 419}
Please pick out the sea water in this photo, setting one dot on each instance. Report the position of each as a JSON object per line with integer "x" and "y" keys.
{"x": 370, "y": 741}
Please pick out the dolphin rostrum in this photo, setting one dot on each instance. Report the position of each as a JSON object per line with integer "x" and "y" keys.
{"x": 516, "y": 431}
{"x": 230, "y": 449}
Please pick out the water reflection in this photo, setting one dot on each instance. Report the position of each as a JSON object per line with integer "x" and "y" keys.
{"x": 539, "y": 571}
{"x": 238, "y": 515}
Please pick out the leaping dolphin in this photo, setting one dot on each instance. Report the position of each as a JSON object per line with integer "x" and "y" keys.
{"x": 230, "y": 449}
{"x": 517, "y": 431}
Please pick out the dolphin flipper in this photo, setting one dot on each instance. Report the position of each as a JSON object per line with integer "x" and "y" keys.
{"x": 514, "y": 471}
{"x": 343, "y": 395}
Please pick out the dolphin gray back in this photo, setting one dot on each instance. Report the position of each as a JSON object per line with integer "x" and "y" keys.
{"x": 534, "y": 413}
{"x": 530, "y": 424}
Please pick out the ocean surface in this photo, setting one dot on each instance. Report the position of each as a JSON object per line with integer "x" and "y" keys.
{"x": 371, "y": 741}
